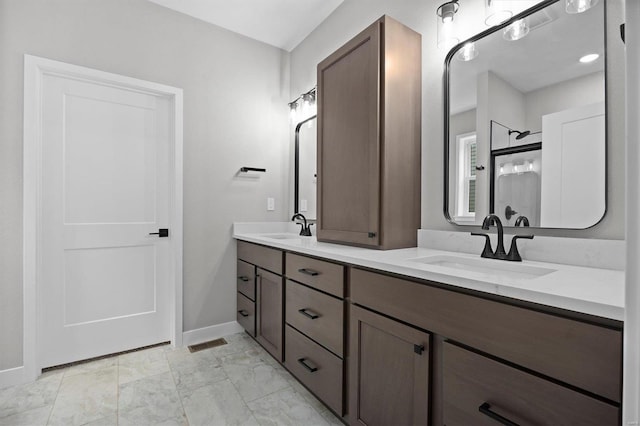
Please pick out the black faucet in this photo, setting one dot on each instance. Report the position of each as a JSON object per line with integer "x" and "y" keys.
{"x": 514, "y": 255}
{"x": 306, "y": 227}
{"x": 487, "y": 251}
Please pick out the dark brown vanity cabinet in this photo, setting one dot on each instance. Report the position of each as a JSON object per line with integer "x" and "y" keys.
{"x": 528, "y": 364}
{"x": 315, "y": 327}
{"x": 260, "y": 274}
{"x": 407, "y": 351}
{"x": 246, "y": 297}
{"x": 389, "y": 367}
{"x": 369, "y": 121}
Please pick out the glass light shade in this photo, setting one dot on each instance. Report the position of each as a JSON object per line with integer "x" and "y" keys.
{"x": 497, "y": 11}
{"x": 516, "y": 31}
{"x": 467, "y": 53}
{"x": 579, "y": 6}
{"x": 447, "y": 37}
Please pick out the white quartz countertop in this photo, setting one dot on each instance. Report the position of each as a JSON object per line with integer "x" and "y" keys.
{"x": 592, "y": 291}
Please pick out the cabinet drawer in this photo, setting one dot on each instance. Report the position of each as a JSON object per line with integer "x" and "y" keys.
{"x": 246, "y": 314}
{"x": 585, "y": 355}
{"x": 325, "y": 276}
{"x": 471, "y": 380}
{"x": 246, "y": 279}
{"x": 264, "y": 257}
{"x": 317, "y": 315}
{"x": 317, "y": 368}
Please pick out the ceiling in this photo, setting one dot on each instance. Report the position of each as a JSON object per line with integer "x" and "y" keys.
{"x": 546, "y": 56}
{"x": 280, "y": 23}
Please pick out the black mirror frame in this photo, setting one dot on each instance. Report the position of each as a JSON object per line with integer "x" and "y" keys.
{"x": 296, "y": 164}
{"x": 446, "y": 90}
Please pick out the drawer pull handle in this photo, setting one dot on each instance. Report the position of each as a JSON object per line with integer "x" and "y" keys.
{"x": 486, "y": 410}
{"x": 307, "y": 366}
{"x": 308, "y": 314}
{"x": 418, "y": 349}
{"x": 243, "y": 278}
{"x": 243, "y": 313}
{"x": 309, "y": 272}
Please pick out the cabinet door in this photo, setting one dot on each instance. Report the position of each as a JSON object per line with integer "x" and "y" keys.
{"x": 389, "y": 367}
{"x": 269, "y": 312}
{"x": 349, "y": 141}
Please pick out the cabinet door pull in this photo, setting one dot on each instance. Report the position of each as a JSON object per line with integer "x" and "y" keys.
{"x": 243, "y": 278}
{"x": 307, "y": 366}
{"x": 309, "y": 272}
{"x": 243, "y": 313}
{"x": 485, "y": 409}
{"x": 308, "y": 314}
{"x": 418, "y": 349}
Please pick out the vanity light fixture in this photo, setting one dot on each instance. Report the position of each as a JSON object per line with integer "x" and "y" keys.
{"x": 516, "y": 30}
{"x": 587, "y": 59}
{"x": 303, "y": 106}
{"x": 468, "y": 52}
{"x": 579, "y": 6}
{"x": 446, "y": 31}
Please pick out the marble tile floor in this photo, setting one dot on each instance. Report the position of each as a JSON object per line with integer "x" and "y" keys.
{"x": 234, "y": 384}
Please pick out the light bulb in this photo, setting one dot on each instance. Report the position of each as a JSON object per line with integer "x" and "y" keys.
{"x": 579, "y": 6}
{"x": 468, "y": 52}
{"x": 516, "y": 31}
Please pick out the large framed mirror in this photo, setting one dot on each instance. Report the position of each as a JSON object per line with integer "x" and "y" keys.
{"x": 304, "y": 170}
{"x": 525, "y": 120}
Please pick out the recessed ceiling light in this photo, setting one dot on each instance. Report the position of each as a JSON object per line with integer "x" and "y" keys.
{"x": 589, "y": 58}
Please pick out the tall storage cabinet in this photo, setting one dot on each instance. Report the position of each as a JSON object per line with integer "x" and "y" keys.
{"x": 369, "y": 124}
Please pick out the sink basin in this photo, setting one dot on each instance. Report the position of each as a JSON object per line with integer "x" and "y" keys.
{"x": 494, "y": 268}
{"x": 282, "y": 236}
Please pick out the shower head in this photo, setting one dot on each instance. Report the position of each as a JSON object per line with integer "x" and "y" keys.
{"x": 521, "y": 135}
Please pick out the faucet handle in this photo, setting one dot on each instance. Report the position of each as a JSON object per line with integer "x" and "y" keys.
{"x": 514, "y": 255}
{"x": 487, "y": 251}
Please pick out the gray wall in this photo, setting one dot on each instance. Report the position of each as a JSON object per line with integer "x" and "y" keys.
{"x": 354, "y": 15}
{"x": 235, "y": 113}
{"x": 579, "y": 91}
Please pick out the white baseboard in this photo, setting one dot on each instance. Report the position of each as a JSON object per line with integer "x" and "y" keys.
{"x": 193, "y": 337}
{"x": 13, "y": 376}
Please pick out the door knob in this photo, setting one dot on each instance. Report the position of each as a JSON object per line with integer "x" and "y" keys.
{"x": 162, "y": 232}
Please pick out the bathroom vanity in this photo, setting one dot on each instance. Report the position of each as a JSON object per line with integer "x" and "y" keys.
{"x": 404, "y": 337}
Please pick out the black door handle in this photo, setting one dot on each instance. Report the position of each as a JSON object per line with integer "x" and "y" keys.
{"x": 307, "y": 366}
{"x": 162, "y": 232}
{"x": 243, "y": 278}
{"x": 485, "y": 409}
{"x": 243, "y": 313}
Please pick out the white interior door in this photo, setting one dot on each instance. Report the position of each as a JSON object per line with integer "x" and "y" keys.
{"x": 105, "y": 282}
{"x": 573, "y": 167}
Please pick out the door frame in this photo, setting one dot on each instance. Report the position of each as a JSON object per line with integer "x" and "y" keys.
{"x": 35, "y": 68}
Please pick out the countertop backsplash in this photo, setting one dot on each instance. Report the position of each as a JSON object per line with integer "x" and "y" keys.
{"x": 592, "y": 253}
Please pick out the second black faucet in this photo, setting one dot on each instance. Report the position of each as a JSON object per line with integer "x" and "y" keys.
{"x": 500, "y": 253}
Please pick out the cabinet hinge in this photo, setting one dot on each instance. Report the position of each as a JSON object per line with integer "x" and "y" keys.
{"x": 418, "y": 349}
